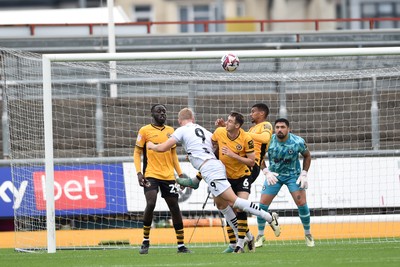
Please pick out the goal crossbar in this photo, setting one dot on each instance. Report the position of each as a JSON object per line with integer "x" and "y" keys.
{"x": 374, "y": 51}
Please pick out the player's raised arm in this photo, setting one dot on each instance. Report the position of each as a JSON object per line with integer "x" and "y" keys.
{"x": 220, "y": 122}
{"x": 165, "y": 146}
{"x": 263, "y": 137}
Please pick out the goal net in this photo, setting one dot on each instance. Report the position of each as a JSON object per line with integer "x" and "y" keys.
{"x": 68, "y": 125}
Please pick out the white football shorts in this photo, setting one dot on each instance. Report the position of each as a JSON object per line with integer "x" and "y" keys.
{"x": 214, "y": 174}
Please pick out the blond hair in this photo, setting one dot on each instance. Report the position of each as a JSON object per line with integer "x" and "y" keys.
{"x": 185, "y": 114}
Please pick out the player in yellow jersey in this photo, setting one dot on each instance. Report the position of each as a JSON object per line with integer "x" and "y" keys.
{"x": 158, "y": 174}
{"x": 261, "y": 133}
{"x": 236, "y": 151}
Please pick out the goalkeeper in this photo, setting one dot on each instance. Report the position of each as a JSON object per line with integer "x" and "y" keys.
{"x": 284, "y": 169}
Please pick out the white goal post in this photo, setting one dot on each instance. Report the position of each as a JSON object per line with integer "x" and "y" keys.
{"x": 343, "y": 102}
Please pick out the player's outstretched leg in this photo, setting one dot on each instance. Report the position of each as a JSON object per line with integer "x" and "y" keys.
{"x": 275, "y": 225}
{"x": 254, "y": 209}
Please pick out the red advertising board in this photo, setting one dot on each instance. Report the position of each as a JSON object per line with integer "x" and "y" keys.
{"x": 75, "y": 189}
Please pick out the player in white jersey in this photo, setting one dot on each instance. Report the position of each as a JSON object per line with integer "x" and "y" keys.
{"x": 196, "y": 141}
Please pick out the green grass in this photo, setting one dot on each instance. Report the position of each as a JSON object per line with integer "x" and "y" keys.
{"x": 323, "y": 255}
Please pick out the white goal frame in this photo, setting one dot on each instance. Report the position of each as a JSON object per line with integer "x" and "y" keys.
{"x": 47, "y": 60}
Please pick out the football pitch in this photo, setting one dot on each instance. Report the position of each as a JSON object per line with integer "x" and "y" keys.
{"x": 322, "y": 255}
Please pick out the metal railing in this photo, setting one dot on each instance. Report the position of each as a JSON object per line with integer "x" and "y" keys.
{"x": 148, "y": 25}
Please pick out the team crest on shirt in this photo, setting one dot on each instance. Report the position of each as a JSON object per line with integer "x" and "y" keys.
{"x": 267, "y": 126}
{"x": 239, "y": 147}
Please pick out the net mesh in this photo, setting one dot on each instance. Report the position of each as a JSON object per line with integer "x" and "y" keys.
{"x": 346, "y": 108}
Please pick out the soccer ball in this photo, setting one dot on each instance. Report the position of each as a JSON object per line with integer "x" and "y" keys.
{"x": 230, "y": 62}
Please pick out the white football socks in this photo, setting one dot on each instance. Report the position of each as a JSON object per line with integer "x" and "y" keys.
{"x": 230, "y": 218}
{"x": 248, "y": 206}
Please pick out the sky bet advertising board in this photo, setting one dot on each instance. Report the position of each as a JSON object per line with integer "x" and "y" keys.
{"x": 92, "y": 189}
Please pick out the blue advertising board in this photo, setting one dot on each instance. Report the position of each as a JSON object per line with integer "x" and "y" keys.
{"x": 79, "y": 190}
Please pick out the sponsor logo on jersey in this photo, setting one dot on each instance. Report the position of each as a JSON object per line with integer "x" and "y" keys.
{"x": 251, "y": 144}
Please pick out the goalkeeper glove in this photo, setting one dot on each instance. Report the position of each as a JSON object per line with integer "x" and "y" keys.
{"x": 270, "y": 176}
{"x": 302, "y": 180}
